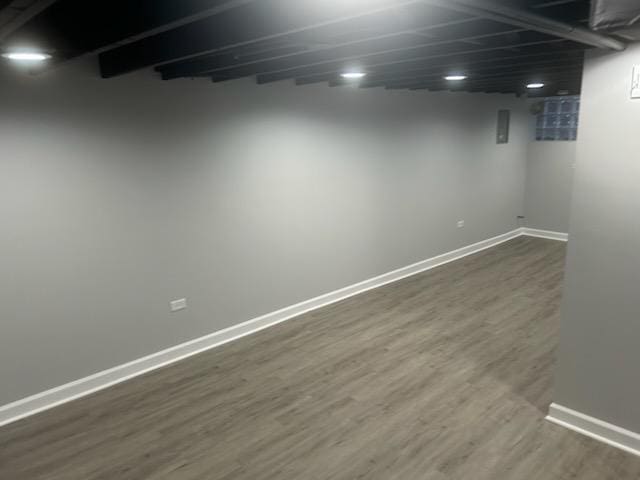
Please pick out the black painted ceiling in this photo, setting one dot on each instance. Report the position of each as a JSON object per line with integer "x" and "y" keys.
{"x": 401, "y": 44}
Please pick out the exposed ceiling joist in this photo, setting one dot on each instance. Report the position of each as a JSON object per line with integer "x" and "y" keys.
{"x": 416, "y": 60}
{"x": 461, "y": 66}
{"x": 18, "y": 12}
{"x": 553, "y": 3}
{"x": 515, "y": 84}
{"x": 365, "y": 44}
{"x": 371, "y": 52}
{"x": 181, "y": 14}
{"x": 532, "y": 21}
{"x": 393, "y": 41}
{"x": 527, "y": 74}
{"x": 262, "y": 21}
{"x": 184, "y": 15}
{"x": 439, "y": 73}
{"x": 208, "y": 64}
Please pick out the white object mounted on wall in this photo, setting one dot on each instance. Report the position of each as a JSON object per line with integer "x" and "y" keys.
{"x": 635, "y": 82}
{"x": 177, "y": 305}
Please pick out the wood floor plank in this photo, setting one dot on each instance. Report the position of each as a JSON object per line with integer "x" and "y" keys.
{"x": 445, "y": 375}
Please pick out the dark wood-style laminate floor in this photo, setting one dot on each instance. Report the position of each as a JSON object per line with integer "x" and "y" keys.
{"x": 444, "y": 375}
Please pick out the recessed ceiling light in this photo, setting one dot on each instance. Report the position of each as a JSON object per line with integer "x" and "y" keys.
{"x": 26, "y": 56}
{"x": 455, "y": 78}
{"x": 535, "y": 85}
{"x": 353, "y": 75}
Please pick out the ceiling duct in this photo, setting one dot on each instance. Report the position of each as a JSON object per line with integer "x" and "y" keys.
{"x": 619, "y": 17}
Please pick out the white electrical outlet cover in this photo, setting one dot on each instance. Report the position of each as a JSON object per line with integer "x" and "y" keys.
{"x": 177, "y": 305}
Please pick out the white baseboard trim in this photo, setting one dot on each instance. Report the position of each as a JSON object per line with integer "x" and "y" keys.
{"x": 71, "y": 391}
{"x": 534, "y": 232}
{"x": 597, "y": 429}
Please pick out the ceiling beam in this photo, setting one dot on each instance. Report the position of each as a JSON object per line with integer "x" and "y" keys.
{"x": 181, "y": 21}
{"x": 569, "y": 81}
{"x": 553, "y": 3}
{"x": 515, "y": 88}
{"x": 531, "y": 21}
{"x": 140, "y": 26}
{"x": 462, "y": 66}
{"x": 261, "y": 21}
{"x": 520, "y": 79}
{"x": 417, "y": 60}
{"x": 524, "y": 73}
{"x": 373, "y": 51}
{"x": 19, "y": 12}
{"x": 521, "y": 76}
{"x": 211, "y": 64}
{"x": 571, "y": 86}
{"x": 439, "y": 74}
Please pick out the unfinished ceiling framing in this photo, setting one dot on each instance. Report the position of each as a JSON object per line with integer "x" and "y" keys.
{"x": 500, "y": 45}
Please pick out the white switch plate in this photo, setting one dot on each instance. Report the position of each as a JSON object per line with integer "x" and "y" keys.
{"x": 461, "y": 224}
{"x": 178, "y": 305}
{"x": 635, "y": 82}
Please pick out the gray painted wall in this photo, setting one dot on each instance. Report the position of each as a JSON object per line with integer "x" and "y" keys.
{"x": 599, "y": 357}
{"x": 118, "y": 196}
{"x": 549, "y": 182}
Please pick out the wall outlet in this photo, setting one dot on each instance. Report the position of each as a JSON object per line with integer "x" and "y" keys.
{"x": 461, "y": 224}
{"x": 178, "y": 305}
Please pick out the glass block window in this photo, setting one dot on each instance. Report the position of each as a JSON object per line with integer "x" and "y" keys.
{"x": 558, "y": 119}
